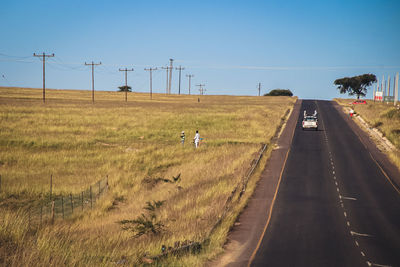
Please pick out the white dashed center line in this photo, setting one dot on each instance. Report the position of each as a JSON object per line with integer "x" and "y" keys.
{"x": 359, "y": 234}
{"x": 348, "y": 198}
{"x": 375, "y": 264}
{"x": 341, "y": 198}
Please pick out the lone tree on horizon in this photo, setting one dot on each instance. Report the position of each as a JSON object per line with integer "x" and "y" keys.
{"x": 356, "y": 85}
{"x": 279, "y": 92}
{"x": 125, "y": 88}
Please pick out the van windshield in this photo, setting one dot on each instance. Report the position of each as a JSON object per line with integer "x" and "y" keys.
{"x": 311, "y": 119}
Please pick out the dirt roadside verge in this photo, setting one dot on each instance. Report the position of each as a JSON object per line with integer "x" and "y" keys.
{"x": 244, "y": 236}
{"x": 375, "y": 142}
{"x": 381, "y": 141}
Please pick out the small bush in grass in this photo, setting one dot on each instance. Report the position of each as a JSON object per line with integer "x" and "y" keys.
{"x": 279, "y": 92}
{"x": 144, "y": 224}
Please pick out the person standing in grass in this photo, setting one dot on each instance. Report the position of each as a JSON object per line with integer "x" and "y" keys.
{"x": 183, "y": 137}
{"x": 196, "y": 139}
{"x": 351, "y": 112}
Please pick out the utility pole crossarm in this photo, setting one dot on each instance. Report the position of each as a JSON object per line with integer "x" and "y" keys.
{"x": 43, "y": 56}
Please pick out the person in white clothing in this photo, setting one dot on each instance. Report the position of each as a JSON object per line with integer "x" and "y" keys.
{"x": 196, "y": 139}
{"x": 351, "y": 112}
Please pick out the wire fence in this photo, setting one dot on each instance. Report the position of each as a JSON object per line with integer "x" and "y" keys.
{"x": 65, "y": 206}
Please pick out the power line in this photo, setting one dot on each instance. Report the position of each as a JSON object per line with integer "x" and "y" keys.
{"x": 92, "y": 64}
{"x": 180, "y": 69}
{"x": 43, "y": 56}
{"x": 16, "y": 60}
{"x": 106, "y": 69}
{"x": 57, "y": 64}
{"x": 151, "y": 80}
{"x": 5, "y": 55}
{"x": 4, "y": 77}
{"x": 190, "y": 78}
{"x": 126, "y": 82}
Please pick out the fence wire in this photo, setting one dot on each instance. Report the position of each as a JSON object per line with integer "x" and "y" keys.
{"x": 65, "y": 206}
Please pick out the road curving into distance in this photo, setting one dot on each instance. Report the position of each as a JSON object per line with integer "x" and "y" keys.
{"x": 335, "y": 205}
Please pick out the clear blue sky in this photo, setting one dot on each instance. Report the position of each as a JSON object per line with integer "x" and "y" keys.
{"x": 228, "y": 45}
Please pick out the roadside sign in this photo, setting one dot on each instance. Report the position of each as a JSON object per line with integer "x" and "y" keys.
{"x": 388, "y": 98}
{"x": 378, "y": 96}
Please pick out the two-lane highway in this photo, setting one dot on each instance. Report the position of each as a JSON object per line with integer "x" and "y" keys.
{"x": 335, "y": 206}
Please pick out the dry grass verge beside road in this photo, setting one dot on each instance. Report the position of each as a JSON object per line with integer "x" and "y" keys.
{"x": 385, "y": 117}
{"x": 137, "y": 145}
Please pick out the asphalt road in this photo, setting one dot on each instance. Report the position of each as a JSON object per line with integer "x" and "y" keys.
{"x": 335, "y": 206}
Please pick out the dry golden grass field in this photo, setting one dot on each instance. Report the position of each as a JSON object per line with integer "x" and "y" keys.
{"x": 137, "y": 144}
{"x": 383, "y": 116}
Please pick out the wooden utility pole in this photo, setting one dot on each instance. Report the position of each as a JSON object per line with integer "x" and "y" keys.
{"x": 151, "y": 81}
{"x": 166, "y": 87}
{"x": 374, "y": 92}
{"x": 126, "y": 82}
{"x": 259, "y": 89}
{"x": 92, "y": 64}
{"x": 179, "y": 88}
{"x": 190, "y": 78}
{"x": 170, "y": 74}
{"x": 201, "y": 89}
{"x": 396, "y": 89}
{"x": 43, "y": 56}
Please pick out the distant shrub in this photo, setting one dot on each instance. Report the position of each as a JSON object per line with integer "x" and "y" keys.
{"x": 392, "y": 114}
{"x": 125, "y": 89}
{"x": 377, "y": 124}
{"x": 279, "y": 92}
{"x": 396, "y": 132}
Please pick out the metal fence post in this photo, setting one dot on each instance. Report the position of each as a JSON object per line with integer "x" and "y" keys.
{"x": 62, "y": 205}
{"x": 41, "y": 214}
{"x": 82, "y": 200}
{"x": 107, "y": 181}
{"x": 29, "y": 218}
{"x": 0, "y": 183}
{"x": 51, "y": 185}
{"x": 52, "y": 212}
{"x": 99, "y": 189}
{"x": 72, "y": 204}
{"x": 91, "y": 199}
